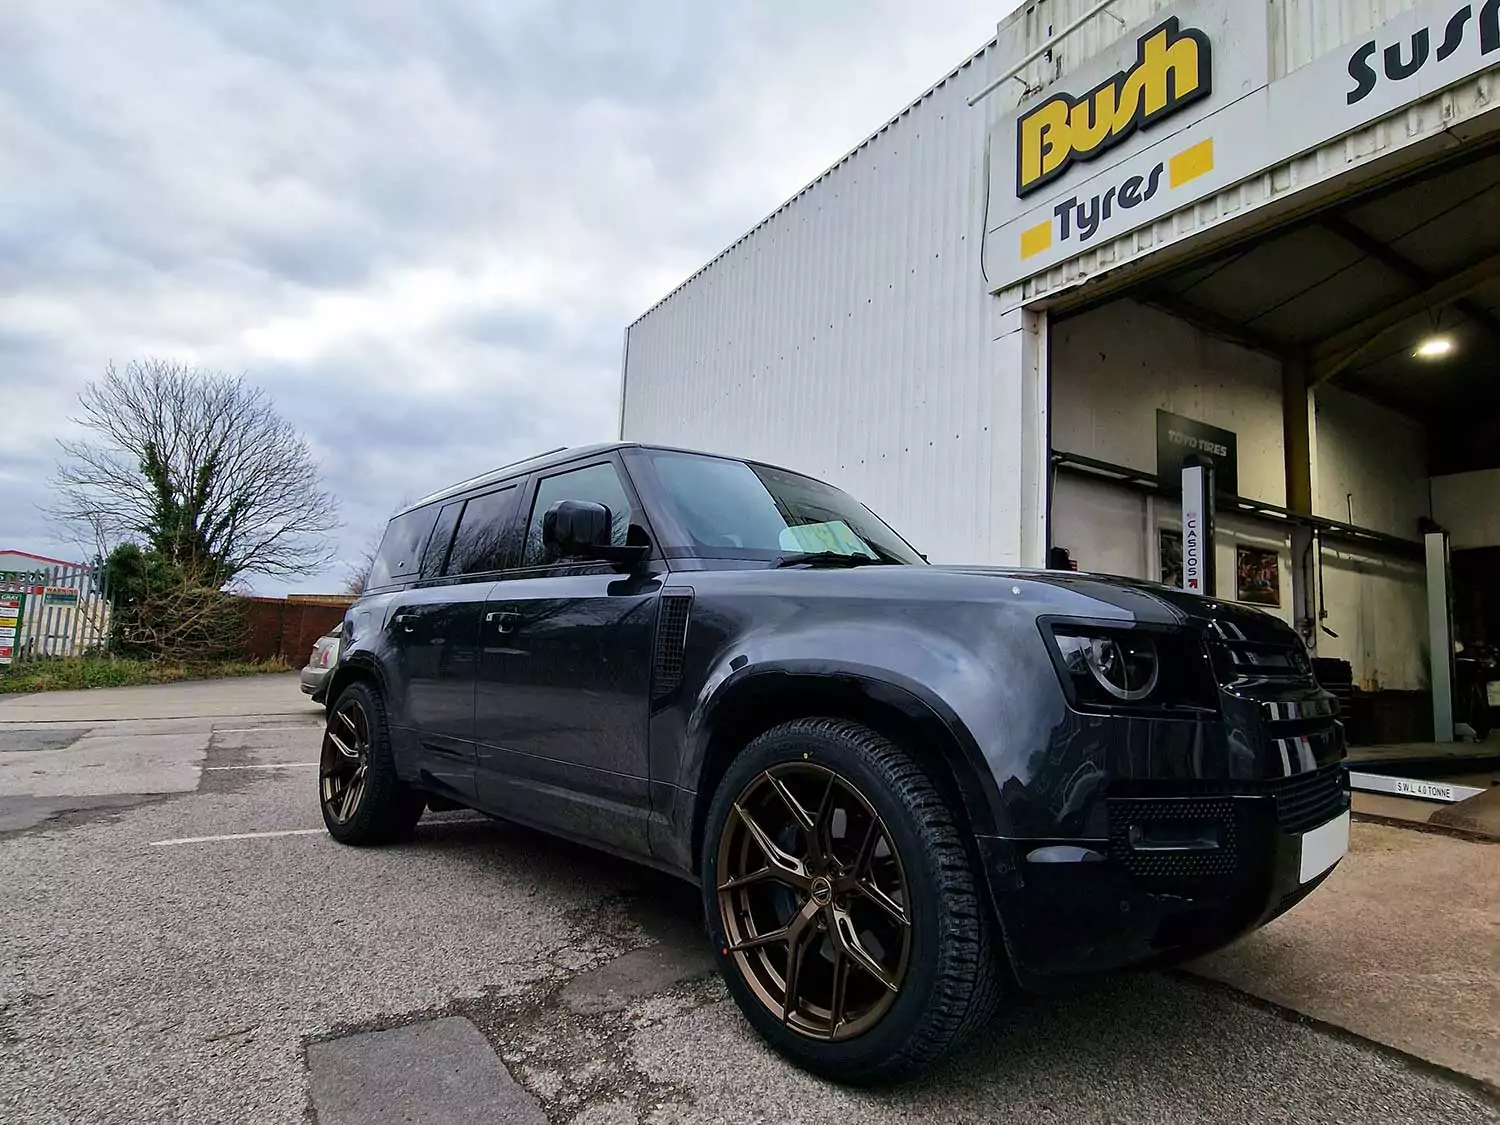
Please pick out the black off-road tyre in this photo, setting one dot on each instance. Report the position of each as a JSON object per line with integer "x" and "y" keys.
{"x": 952, "y": 973}
{"x": 384, "y": 810}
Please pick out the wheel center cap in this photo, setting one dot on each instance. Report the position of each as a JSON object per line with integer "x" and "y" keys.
{"x": 822, "y": 891}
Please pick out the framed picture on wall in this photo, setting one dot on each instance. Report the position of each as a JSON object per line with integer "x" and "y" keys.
{"x": 1257, "y": 575}
{"x": 1170, "y": 548}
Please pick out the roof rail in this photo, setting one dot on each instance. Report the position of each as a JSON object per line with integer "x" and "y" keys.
{"x": 480, "y": 476}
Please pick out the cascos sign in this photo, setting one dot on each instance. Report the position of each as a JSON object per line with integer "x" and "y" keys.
{"x": 1173, "y": 69}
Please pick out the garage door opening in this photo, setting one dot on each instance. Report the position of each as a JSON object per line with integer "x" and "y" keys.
{"x": 1345, "y": 368}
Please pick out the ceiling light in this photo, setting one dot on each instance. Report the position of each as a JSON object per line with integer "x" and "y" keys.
{"x": 1434, "y": 347}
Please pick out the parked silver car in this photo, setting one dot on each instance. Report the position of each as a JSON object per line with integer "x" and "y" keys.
{"x": 324, "y": 658}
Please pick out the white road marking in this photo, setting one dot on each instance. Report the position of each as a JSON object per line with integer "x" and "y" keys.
{"x": 269, "y": 766}
{"x": 239, "y": 836}
{"x": 283, "y": 726}
{"x": 283, "y": 832}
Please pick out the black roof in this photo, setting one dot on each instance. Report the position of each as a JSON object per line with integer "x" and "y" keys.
{"x": 519, "y": 468}
{"x": 557, "y": 457}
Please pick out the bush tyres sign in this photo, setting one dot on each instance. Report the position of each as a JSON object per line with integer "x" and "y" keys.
{"x": 12, "y": 609}
{"x": 1052, "y": 182}
{"x": 1182, "y": 108}
{"x": 1173, "y": 69}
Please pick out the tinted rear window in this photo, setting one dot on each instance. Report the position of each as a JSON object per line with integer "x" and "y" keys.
{"x": 400, "y": 556}
{"x": 483, "y": 532}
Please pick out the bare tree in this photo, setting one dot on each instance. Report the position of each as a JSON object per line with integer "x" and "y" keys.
{"x": 199, "y": 467}
{"x": 359, "y": 570}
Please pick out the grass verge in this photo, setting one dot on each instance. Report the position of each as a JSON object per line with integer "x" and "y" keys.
{"x": 75, "y": 673}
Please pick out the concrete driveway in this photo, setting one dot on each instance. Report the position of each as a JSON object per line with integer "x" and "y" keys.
{"x": 201, "y": 951}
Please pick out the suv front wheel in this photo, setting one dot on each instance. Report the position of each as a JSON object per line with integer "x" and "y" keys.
{"x": 362, "y": 799}
{"x": 842, "y": 905}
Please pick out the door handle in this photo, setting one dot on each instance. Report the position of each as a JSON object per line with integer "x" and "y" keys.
{"x": 407, "y": 621}
{"x": 503, "y": 620}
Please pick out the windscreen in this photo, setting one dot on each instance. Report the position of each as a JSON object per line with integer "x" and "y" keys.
{"x": 736, "y": 510}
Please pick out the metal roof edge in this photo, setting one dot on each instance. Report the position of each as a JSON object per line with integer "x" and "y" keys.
{"x": 834, "y": 167}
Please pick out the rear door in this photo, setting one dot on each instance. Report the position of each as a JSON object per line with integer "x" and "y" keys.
{"x": 436, "y": 626}
{"x": 565, "y": 675}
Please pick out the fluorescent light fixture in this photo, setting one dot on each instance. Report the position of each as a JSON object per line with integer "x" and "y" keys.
{"x": 1434, "y": 347}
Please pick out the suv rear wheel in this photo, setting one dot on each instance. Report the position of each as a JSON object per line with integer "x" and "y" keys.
{"x": 842, "y": 904}
{"x": 363, "y": 800}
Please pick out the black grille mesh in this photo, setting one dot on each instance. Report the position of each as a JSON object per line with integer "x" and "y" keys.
{"x": 1250, "y": 663}
{"x": 1123, "y": 813}
{"x": 1302, "y": 803}
{"x": 671, "y": 640}
{"x": 1306, "y": 801}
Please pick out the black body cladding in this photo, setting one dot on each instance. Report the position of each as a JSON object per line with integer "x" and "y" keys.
{"x": 601, "y": 695}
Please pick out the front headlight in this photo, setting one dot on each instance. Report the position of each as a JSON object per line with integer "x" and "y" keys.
{"x": 1133, "y": 669}
{"x": 1126, "y": 667}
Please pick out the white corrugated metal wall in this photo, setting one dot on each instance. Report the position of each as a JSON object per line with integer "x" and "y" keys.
{"x": 850, "y": 336}
{"x": 1303, "y": 30}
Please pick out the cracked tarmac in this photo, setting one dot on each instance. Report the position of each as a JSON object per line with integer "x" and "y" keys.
{"x": 200, "y": 982}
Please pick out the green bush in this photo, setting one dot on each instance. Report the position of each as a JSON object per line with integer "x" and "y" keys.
{"x": 76, "y": 673}
{"x": 165, "y": 611}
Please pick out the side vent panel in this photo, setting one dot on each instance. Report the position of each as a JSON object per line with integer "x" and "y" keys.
{"x": 673, "y": 610}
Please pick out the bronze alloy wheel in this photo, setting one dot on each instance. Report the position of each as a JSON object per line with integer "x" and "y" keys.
{"x": 813, "y": 901}
{"x": 345, "y": 764}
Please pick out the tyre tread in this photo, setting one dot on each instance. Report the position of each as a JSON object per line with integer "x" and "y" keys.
{"x": 389, "y": 809}
{"x": 968, "y": 979}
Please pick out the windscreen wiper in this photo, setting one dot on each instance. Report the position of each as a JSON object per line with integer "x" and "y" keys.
{"x": 827, "y": 558}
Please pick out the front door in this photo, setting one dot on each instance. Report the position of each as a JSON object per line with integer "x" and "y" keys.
{"x": 565, "y": 676}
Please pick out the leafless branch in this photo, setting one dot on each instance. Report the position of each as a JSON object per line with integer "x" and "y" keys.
{"x": 199, "y": 466}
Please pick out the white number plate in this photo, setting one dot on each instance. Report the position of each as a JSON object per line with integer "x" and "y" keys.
{"x": 1323, "y": 847}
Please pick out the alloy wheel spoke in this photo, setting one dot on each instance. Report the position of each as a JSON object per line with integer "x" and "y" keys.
{"x": 874, "y": 894}
{"x": 846, "y": 938}
{"x": 799, "y": 932}
{"x": 799, "y": 814}
{"x": 739, "y": 881}
{"x": 818, "y": 839}
{"x": 343, "y": 747}
{"x": 788, "y": 868}
{"x": 867, "y": 848}
{"x": 839, "y": 1002}
{"x": 352, "y": 793}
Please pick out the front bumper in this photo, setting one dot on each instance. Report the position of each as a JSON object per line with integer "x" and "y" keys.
{"x": 1181, "y": 874}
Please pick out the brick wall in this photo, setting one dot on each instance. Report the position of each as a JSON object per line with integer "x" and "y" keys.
{"x": 287, "y": 628}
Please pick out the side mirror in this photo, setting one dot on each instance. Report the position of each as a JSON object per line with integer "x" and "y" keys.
{"x": 577, "y": 528}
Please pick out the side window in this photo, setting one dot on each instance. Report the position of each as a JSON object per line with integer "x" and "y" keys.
{"x": 400, "y": 556}
{"x": 479, "y": 545}
{"x": 598, "y": 483}
{"x": 436, "y": 555}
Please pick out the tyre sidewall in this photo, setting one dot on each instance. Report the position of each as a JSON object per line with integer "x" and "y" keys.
{"x": 852, "y": 1058}
{"x": 384, "y": 812}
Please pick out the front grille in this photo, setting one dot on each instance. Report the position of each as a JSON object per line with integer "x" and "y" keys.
{"x": 1242, "y": 664}
{"x": 1308, "y": 800}
{"x": 1301, "y": 803}
{"x": 1126, "y": 814}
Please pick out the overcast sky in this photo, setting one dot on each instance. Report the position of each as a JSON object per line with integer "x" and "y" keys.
{"x": 422, "y": 227}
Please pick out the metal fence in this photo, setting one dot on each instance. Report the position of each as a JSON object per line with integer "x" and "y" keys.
{"x": 53, "y": 611}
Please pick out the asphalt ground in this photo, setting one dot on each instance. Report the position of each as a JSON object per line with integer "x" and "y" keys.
{"x": 152, "y": 969}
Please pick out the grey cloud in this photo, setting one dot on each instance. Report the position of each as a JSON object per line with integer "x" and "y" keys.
{"x": 422, "y": 227}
